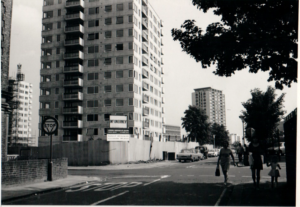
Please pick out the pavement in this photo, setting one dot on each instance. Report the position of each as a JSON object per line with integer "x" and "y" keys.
{"x": 235, "y": 194}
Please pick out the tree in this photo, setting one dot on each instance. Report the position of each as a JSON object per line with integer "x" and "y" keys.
{"x": 195, "y": 123}
{"x": 255, "y": 34}
{"x": 263, "y": 112}
{"x": 221, "y": 135}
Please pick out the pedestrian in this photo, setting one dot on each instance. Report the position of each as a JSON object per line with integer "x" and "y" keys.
{"x": 274, "y": 173}
{"x": 224, "y": 156}
{"x": 255, "y": 161}
{"x": 240, "y": 151}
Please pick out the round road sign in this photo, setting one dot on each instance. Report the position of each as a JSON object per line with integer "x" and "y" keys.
{"x": 50, "y": 125}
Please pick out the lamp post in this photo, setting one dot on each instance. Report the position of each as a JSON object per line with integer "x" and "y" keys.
{"x": 214, "y": 136}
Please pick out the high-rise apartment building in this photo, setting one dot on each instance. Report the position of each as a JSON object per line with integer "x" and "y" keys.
{"x": 212, "y": 102}
{"x": 101, "y": 58}
{"x": 21, "y": 116}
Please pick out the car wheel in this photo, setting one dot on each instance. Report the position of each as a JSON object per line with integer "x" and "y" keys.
{"x": 179, "y": 160}
{"x": 199, "y": 158}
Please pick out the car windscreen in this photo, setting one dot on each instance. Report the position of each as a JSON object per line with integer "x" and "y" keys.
{"x": 187, "y": 151}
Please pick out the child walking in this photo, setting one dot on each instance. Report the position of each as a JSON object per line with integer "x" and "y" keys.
{"x": 274, "y": 173}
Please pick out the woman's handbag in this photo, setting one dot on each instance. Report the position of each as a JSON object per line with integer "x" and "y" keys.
{"x": 217, "y": 173}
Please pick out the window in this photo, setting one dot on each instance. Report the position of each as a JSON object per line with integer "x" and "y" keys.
{"x": 92, "y": 76}
{"x": 47, "y": 2}
{"x": 108, "y": 8}
{"x": 119, "y": 74}
{"x": 130, "y": 73}
{"x": 57, "y": 64}
{"x": 130, "y": 116}
{"x": 93, "y": 63}
{"x": 47, "y": 39}
{"x": 130, "y": 32}
{"x": 119, "y": 7}
{"x": 130, "y": 45}
{"x": 130, "y": 59}
{"x": 92, "y": 104}
{"x": 107, "y": 47}
{"x": 107, "y": 61}
{"x": 56, "y": 104}
{"x": 107, "y": 75}
{"x": 56, "y": 90}
{"x": 119, "y": 46}
{"x": 119, "y": 33}
{"x": 119, "y": 102}
{"x": 119, "y": 60}
{"x": 130, "y": 101}
{"x": 93, "y": 23}
{"x": 107, "y": 102}
{"x": 107, "y": 89}
{"x": 130, "y": 87}
{"x": 48, "y": 14}
{"x": 57, "y": 77}
{"x": 130, "y": 18}
{"x": 46, "y": 92}
{"x": 59, "y": 12}
{"x": 91, "y": 90}
{"x": 107, "y": 34}
{"x": 119, "y": 88}
{"x": 58, "y": 38}
{"x": 119, "y": 20}
{"x": 94, "y": 10}
{"x": 93, "y": 49}
{"x": 130, "y": 5}
{"x": 93, "y": 36}
{"x": 57, "y": 51}
{"x": 92, "y": 117}
{"x": 47, "y": 27}
{"x": 108, "y": 21}
{"x": 46, "y": 78}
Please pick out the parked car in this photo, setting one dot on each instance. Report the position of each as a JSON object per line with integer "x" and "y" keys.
{"x": 203, "y": 150}
{"x": 189, "y": 154}
{"x": 279, "y": 150}
{"x": 213, "y": 153}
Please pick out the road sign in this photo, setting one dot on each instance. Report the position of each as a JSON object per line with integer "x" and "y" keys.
{"x": 49, "y": 125}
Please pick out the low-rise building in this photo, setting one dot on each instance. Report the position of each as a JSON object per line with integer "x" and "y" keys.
{"x": 172, "y": 133}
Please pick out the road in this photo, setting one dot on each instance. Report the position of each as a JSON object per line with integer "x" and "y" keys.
{"x": 186, "y": 183}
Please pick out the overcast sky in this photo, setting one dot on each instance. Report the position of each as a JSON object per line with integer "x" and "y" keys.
{"x": 182, "y": 73}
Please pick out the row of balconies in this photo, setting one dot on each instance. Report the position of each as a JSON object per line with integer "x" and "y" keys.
{"x": 75, "y": 4}
{"x": 76, "y": 16}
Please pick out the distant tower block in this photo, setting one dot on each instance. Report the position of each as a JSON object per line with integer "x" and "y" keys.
{"x": 20, "y": 76}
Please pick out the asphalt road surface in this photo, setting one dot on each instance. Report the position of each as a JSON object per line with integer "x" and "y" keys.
{"x": 186, "y": 183}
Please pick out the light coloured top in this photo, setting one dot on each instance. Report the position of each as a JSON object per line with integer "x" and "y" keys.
{"x": 225, "y": 155}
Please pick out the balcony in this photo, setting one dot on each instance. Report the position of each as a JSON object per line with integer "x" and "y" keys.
{"x": 161, "y": 33}
{"x": 74, "y": 110}
{"x": 75, "y": 4}
{"x": 76, "y": 55}
{"x": 162, "y": 61}
{"x": 162, "y": 90}
{"x": 144, "y": 11}
{"x": 163, "y": 110}
{"x": 76, "y": 29}
{"x": 146, "y": 124}
{"x": 162, "y": 100}
{"x": 76, "y": 42}
{"x": 73, "y": 83}
{"x": 73, "y": 97}
{"x": 145, "y": 48}
{"x": 146, "y": 111}
{"x": 145, "y": 36}
{"x": 163, "y": 120}
{"x": 162, "y": 71}
{"x": 145, "y": 23}
{"x": 145, "y": 98}
{"x": 145, "y": 61}
{"x": 145, "y": 2}
{"x": 73, "y": 69}
{"x": 78, "y": 16}
{"x": 162, "y": 80}
{"x": 162, "y": 51}
{"x": 72, "y": 124}
{"x": 161, "y": 23}
{"x": 145, "y": 73}
{"x": 72, "y": 138}
{"x": 161, "y": 42}
{"x": 145, "y": 86}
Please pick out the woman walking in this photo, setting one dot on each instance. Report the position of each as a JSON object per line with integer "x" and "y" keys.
{"x": 257, "y": 165}
{"x": 224, "y": 156}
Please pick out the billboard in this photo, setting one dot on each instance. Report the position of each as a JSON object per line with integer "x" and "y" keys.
{"x": 118, "y": 121}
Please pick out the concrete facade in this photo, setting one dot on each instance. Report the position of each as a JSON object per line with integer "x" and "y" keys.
{"x": 6, "y": 15}
{"x": 172, "y": 133}
{"x": 101, "y": 58}
{"x": 212, "y": 102}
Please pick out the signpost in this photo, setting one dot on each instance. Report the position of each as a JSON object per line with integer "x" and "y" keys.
{"x": 50, "y": 126}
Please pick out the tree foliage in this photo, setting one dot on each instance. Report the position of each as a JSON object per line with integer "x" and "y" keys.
{"x": 221, "y": 134}
{"x": 255, "y": 34}
{"x": 195, "y": 123}
{"x": 263, "y": 112}
{"x": 236, "y": 144}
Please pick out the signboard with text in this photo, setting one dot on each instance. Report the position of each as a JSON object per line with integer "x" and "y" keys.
{"x": 118, "y": 121}
{"x": 118, "y": 137}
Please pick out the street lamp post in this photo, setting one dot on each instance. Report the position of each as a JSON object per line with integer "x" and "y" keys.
{"x": 243, "y": 120}
{"x": 214, "y": 136}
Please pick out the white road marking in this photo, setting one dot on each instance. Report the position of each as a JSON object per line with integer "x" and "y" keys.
{"x": 219, "y": 200}
{"x": 192, "y": 166}
{"x": 152, "y": 182}
{"x": 190, "y": 175}
{"x": 205, "y": 175}
{"x": 93, "y": 204}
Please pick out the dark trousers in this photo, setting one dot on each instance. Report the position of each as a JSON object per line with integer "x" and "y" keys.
{"x": 240, "y": 157}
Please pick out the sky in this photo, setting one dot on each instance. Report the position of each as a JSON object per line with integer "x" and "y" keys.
{"x": 182, "y": 73}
